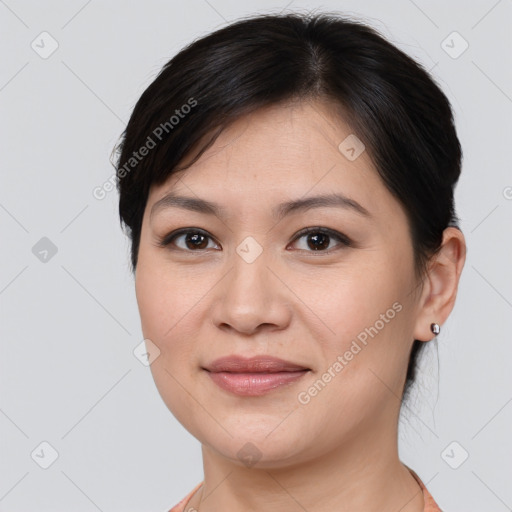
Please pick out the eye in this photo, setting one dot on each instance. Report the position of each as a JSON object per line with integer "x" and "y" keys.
{"x": 190, "y": 239}
{"x": 319, "y": 239}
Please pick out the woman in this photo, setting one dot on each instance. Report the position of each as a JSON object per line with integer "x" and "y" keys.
{"x": 287, "y": 183}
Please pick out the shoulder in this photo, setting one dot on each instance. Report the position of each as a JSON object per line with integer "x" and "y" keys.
{"x": 180, "y": 507}
{"x": 430, "y": 504}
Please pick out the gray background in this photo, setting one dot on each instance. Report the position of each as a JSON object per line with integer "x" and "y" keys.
{"x": 69, "y": 322}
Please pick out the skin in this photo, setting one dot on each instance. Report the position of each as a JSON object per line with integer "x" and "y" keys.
{"x": 339, "y": 451}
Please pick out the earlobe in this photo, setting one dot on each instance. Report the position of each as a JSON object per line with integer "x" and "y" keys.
{"x": 442, "y": 282}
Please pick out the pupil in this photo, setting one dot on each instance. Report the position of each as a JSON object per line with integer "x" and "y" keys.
{"x": 194, "y": 239}
{"x": 323, "y": 238}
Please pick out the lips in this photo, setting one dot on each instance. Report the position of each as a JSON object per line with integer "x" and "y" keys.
{"x": 254, "y": 376}
{"x": 258, "y": 364}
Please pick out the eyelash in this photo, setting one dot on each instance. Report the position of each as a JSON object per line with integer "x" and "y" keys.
{"x": 342, "y": 239}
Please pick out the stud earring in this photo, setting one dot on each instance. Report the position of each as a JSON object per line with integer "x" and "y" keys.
{"x": 435, "y": 328}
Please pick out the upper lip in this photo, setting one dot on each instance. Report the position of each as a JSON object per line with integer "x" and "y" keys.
{"x": 257, "y": 364}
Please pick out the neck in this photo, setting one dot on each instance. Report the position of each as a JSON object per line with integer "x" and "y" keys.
{"x": 362, "y": 474}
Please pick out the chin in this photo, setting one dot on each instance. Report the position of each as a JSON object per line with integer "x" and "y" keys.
{"x": 258, "y": 449}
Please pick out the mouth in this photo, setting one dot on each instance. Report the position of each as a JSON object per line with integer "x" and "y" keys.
{"x": 254, "y": 376}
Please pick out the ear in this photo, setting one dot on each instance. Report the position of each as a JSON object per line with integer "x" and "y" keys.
{"x": 440, "y": 284}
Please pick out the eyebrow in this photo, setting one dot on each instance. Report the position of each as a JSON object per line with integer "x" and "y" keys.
{"x": 194, "y": 204}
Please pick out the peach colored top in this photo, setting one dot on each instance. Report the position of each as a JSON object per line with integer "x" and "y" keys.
{"x": 430, "y": 504}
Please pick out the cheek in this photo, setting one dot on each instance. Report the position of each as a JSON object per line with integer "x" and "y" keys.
{"x": 350, "y": 300}
{"x": 363, "y": 317}
{"x": 163, "y": 312}
{"x": 159, "y": 293}
{"x": 169, "y": 302}
{"x": 150, "y": 300}
{"x": 159, "y": 307}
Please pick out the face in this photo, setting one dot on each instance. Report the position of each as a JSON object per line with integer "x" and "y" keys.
{"x": 325, "y": 285}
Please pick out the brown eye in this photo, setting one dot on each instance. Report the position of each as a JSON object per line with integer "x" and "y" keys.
{"x": 196, "y": 241}
{"x": 192, "y": 240}
{"x": 320, "y": 240}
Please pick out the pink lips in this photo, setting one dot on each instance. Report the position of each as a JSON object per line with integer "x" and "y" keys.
{"x": 253, "y": 376}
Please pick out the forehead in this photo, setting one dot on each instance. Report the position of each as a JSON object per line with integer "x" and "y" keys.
{"x": 308, "y": 129}
{"x": 290, "y": 150}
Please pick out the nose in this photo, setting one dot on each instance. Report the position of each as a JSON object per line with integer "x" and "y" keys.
{"x": 252, "y": 297}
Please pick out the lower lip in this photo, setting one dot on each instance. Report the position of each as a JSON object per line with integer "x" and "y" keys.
{"x": 254, "y": 384}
